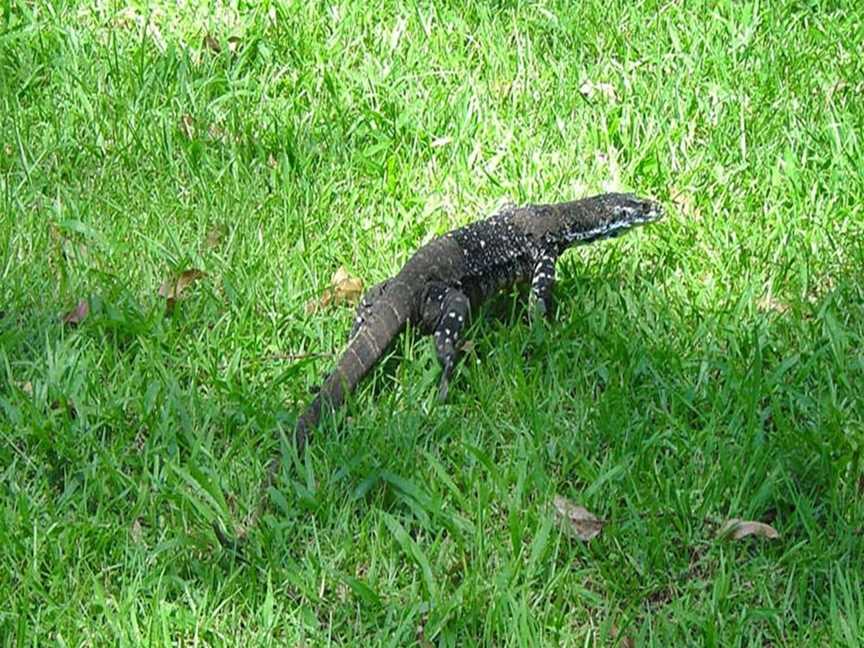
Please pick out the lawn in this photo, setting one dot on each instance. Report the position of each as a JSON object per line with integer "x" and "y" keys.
{"x": 705, "y": 368}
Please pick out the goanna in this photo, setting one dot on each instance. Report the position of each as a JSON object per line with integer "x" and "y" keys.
{"x": 447, "y": 279}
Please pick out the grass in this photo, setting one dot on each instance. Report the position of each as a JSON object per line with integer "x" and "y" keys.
{"x": 707, "y": 367}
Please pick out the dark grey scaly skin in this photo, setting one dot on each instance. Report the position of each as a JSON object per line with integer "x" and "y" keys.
{"x": 450, "y": 277}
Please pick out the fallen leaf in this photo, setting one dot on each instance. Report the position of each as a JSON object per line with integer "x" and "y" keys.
{"x": 625, "y": 642}
{"x": 214, "y": 237}
{"x": 77, "y": 314}
{"x": 589, "y": 90}
{"x": 125, "y": 18}
{"x": 156, "y": 36}
{"x": 344, "y": 289}
{"x": 234, "y": 44}
{"x": 770, "y": 303}
{"x": 576, "y": 520}
{"x": 212, "y": 44}
{"x": 136, "y": 531}
{"x": 687, "y": 203}
{"x": 215, "y": 132}
{"x": 187, "y": 125}
{"x": 173, "y": 289}
{"x": 736, "y": 529}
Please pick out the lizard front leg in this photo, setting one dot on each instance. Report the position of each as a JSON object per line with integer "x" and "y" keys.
{"x": 541, "y": 301}
{"x": 445, "y": 313}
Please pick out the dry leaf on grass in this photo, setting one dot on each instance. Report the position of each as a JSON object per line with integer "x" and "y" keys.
{"x": 214, "y": 237}
{"x": 212, "y": 44}
{"x": 736, "y": 529}
{"x": 467, "y": 346}
{"x": 576, "y": 520}
{"x": 187, "y": 125}
{"x": 136, "y": 531}
{"x": 344, "y": 289}
{"x": 686, "y": 202}
{"x": 234, "y": 44}
{"x": 625, "y": 642}
{"x": 77, "y": 314}
{"x": 173, "y": 289}
{"x": 589, "y": 90}
{"x": 771, "y": 303}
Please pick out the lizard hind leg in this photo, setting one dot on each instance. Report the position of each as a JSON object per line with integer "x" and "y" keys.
{"x": 454, "y": 314}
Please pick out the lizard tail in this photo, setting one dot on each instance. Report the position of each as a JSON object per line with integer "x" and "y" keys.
{"x": 383, "y": 324}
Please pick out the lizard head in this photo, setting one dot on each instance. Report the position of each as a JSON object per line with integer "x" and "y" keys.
{"x": 633, "y": 210}
{"x": 607, "y": 216}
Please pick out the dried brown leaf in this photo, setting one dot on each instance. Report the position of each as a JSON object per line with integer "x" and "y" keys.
{"x": 211, "y": 43}
{"x": 136, "y": 531}
{"x": 173, "y": 289}
{"x": 214, "y": 237}
{"x": 771, "y": 303}
{"x": 467, "y": 346}
{"x": 686, "y": 203}
{"x": 625, "y": 642}
{"x": 736, "y": 529}
{"x": 77, "y": 314}
{"x": 187, "y": 125}
{"x": 589, "y": 89}
{"x": 576, "y": 520}
{"x": 155, "y": 35}
{"x": 344, "y": 289}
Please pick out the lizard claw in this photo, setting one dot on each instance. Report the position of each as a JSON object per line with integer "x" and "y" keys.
{"x": 538, "y": 311}
{"x": 443, "y": 388}
{"x": 444, "y": 385}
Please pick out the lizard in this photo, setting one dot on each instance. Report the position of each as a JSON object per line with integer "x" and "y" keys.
{"x": 450, "y": 277}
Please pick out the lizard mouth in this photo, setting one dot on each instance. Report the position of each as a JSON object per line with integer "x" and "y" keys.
{"x": 654, "y": 212}
{"x": 640, "y": 212}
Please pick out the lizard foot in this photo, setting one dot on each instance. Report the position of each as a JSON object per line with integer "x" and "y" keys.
{"x": 444, "y": 385}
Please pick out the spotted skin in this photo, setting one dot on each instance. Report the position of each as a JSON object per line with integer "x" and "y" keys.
{"x": 445, "y": 280}
{"x": 364, "y": 308}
